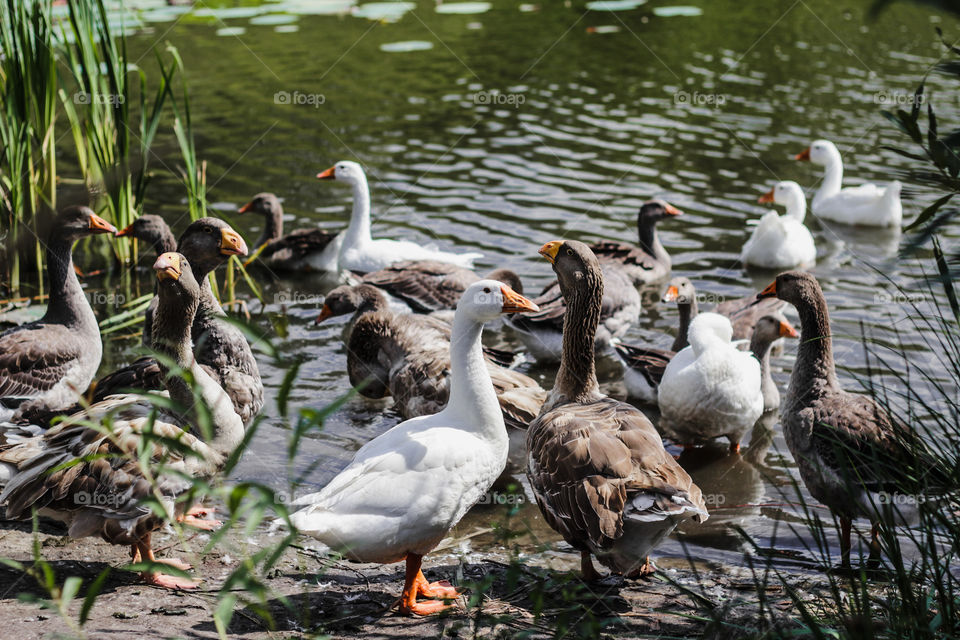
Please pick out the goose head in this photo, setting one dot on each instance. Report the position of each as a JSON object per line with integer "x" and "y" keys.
{"x": 179, "y": 293}
{"x": 149, "y": 228}
{"x": 822, "y": 152}
{"x": 653, "y": 211}
{"x": 799, "y": 288}
{"x": 266, "y": 204}
{"x": 681, "y": 291}
{"x": 709, "y": 329}
{"x": 485, "y": 300}
{"x": 208, "y": 243}
{"x": 77, "y": 222}
{"x": 771, "y": 328}
{"x": 577, "y": 268}
{"x": 345, "y": 171}
{"x": 789, "y": 194}
{"x": 346, "y": 299}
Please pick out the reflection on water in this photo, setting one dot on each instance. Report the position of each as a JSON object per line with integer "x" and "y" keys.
{"x": 503, "y": 129}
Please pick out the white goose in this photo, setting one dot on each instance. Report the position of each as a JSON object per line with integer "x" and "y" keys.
{"x": 405, "y": 489}
{"x": 868, "y": 205}
{"x": 781, "y": 242}
{"x": 710, "y": 389}
{"x": 359, "y": 251}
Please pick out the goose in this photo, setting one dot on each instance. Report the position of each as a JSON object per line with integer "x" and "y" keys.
{"x": 91, "y": 478}
{"x": 643, "y": 366}
{"x": 300, "y": 250}
{"x": 710, "y": 389}
{"x": 542, "y": 332}
{"x": 781, "y": 242}
{"x": 48, "y": 363}
{"x": 597, "y": 466}
{"x": 407, "y": 357}
{"x": 853, "y": 456}
{"x": 769, "y": 329}
{"x": 153, "y": 230}
{"x": 648, "y": 262}
{"x": 222, "y": 349}
{"x": 867, "y": 204}
{"x": 427, "y": 286}
{"x": 359, "y": 252}
{"x": 404, "y": 490}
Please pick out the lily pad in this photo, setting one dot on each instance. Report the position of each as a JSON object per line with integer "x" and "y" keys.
{"x": 462, "y": 8}
{"x": 615, "y": 5}
{"x": 669, "y": 12}
{"x": 408, "y": 45}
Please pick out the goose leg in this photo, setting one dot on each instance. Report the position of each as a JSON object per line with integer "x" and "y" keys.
{"x": 161, "y": 579}
{"x": 845, "y": 525}
{"x": 874, "y": 559}
{"x": 734, "y": 447}
{"x": 408, "y": 601}
{"x": 587, "y": 569}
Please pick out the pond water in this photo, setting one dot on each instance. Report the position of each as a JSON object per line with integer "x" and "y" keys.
{"x": 497, "y": 127}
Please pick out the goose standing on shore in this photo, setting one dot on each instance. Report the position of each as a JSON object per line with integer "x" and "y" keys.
{"x": 91, "y": 478}
{"x": 359, "y": 252}
{"x": 407, "y": 357}
{"x": 710, "y": 389}
{"x": 868, "y": 204}
{"x": 222, "y": 349}
{"x": 597, "y": 466}
{"x": 781, "y": 242}
{"x": 852, "y": 455}
{"x": 301, "y": 250}
{"x": 404, "y": 490}
{"x": 47, "y": 364}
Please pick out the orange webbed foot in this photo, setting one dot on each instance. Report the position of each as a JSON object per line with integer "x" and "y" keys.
{"x": 442, "y": 590}
{"x": 169, "y": 582}
{"x": 197, "y": 523}
{"x": 174, "y": 562}
{"x": 424, "y": 607}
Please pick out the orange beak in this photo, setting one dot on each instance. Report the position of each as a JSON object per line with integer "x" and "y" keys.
{"x": 672, "y": 210}
{"x": 767, "y": 197}
{"x": 325, "y": 313}
{"x": 672, "y": 294}
{"x": 329, "y": 174}
{"x": 787, "y": 330}
{"x": 245, "y": 207}
{"x": 803, "y": 155}
{"x": 99, "y": 225}
{"x": 168, "y": 266}
{"x": 550, "y": 250}
{"x": 513, "y": 302}
{"x": 231, "y": 244}
{"x": 126, "y": 231}
{"x": 769, "y": 292}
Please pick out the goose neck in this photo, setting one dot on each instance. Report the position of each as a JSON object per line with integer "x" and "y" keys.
{"x": 272, "y": 227}
{"x": 833, "y": 177}
{"x": 649, "y": 240}
{"x": 796, "y": 205}
{"x": 67, "y": 302}
{"x": 473, "y": 400}
{"x": 577, "y": 376}
{"x": 358, "y": 232}
{"x": 814, "y": 368}
{"x": 688, "y": 311}
{"x": 761, "y": 351}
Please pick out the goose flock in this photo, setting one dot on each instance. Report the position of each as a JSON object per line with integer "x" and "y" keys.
{"x": 596, "y": 466}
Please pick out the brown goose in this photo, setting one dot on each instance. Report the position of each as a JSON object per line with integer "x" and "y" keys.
{"x": 850, "y": 452}
{"x": 643, "y": 366}
{"x": 428, "y": 285}
{"x": 91, "y": 478}
{"x": 300, "y": 250}
{"x": 407, "y": 357}
{"x": 153, "y": 230}
{"x": 648, "y": 262}
{"x": 597, "y": 466}
{"x": 222, "y": 349}
{"x": 47, "y": 364}
{"x": 769, "y": 329}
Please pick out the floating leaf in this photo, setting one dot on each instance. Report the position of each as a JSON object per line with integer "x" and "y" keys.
{"x": 408, "y": 45}
{"x": 669, "y": 12}
{"x": 462, "y": 8}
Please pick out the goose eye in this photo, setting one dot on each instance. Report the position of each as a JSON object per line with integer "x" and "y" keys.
{"x": 486, "y": 289}
{"x": 569, "y": 252}
{"x": 208, "y": 229}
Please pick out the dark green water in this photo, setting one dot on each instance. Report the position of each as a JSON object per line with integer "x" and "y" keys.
{"x": 706, "y": 111}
